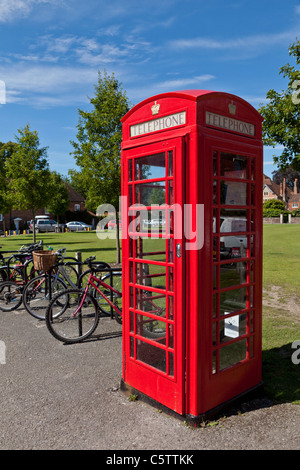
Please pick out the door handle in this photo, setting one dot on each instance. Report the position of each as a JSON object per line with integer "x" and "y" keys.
{"x": 178, "y": 250}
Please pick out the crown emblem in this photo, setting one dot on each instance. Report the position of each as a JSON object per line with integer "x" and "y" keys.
{"x": 232, "y": 108}
{"x": 155, "y": 108}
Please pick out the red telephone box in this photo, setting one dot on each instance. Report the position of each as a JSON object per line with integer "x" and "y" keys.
{"x": 192, "y": 250}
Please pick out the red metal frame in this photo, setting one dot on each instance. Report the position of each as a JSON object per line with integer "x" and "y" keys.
{"x": 215, "y": 139}
{"x": 159, "y": 356}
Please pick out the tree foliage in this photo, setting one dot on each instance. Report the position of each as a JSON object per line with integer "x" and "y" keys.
{"x": 289, "y": 174}
{"x": 274, "y": 204}
{"x": 281, "y": 124}
{"x": 6, "y": 194}
{"x": 59, "y": 200}
{"x": 28, "y": 172}
{"x": 97, "y": 151}
{"x": 273, "y": 208}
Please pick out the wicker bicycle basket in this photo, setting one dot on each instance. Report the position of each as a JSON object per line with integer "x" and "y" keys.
{"x": 43, "y": 260}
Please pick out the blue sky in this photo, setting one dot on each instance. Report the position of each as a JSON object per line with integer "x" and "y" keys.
{"x": 51, "y": 51}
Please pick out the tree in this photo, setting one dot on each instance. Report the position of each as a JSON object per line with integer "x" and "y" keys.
{"x": 289, "y": 174}
{"x": 97, "y": 151}
{"x": 281, "y": 124}
{"x": 76, "y": 181}
{"x": 59, "y": 200}
{"x": 28, "y": 172}
{"x": 6, "y": 195}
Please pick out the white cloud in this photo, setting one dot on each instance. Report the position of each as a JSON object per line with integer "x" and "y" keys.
{"x": 9, "y": 9}
{"x": 140, "y": 92}
{"x": 90, "y": 51}
{"x": 180, "y": 83}
{"x": 242, "y": 42}
{"x": 47, "y": 85}
{"x": 60, "y": 45}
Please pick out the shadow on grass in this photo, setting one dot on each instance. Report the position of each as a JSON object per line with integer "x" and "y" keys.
{"x": 281, "y": 377}
{"x": 281, "y": 383}
{"x": 88, "y": 250}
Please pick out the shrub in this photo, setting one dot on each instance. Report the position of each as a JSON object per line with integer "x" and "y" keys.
{"x": 272, "y": 212}
{"x": 296, "y": 213}
{"x": 274, "y": 204}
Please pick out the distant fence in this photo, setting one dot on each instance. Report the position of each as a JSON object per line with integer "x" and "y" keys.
{"x": 288, "y": 219}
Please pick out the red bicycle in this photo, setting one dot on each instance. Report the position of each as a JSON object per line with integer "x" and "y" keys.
{"x": 73, "y": 314}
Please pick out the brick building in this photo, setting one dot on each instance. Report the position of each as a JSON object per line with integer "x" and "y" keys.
{"x": 282, "y": 192}
{"x": 77, "y": 203}
{"x": 294, "y": 201}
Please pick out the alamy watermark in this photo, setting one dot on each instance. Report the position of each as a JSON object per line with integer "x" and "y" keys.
{"x": 296, "y": 94}
{"x": 2, "y": 352}
{"x": 296, "y": 354}
{"x": 184, "y": 222}
{"x": 2, "y": 92}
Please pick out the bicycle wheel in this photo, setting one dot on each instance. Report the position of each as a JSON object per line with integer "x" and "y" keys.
{"x": 114, "y": 280}
{"x": 3, "y": 274}
{"x": 38, "y": 293}
{"x": 69, "y": 274}
{"x": 10, "y": 296}
{"x": 30, "y": 271}
{"x": 77, "y": 321}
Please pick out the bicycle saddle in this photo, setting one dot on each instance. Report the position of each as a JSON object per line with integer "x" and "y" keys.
{"x": 97, "y": 264}
{"x": 21, "y": 255}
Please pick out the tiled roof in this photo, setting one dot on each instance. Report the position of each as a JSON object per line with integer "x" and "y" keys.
{"x": 275, "y": 188}
{"x": 74, "y": 196}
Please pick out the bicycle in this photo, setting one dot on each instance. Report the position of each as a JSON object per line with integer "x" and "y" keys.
{"x": 111, "y": 277}
{"x": 38, "y": 292}
{"x": 15, "y": 277}
{"x": 23, "y": 270}
{"x": 74, "y": 314}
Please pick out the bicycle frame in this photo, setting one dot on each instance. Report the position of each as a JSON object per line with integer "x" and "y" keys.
{"x": 54, "y": 277}
{"x": 19, "y": 266}
{"x": 91, "y": 282}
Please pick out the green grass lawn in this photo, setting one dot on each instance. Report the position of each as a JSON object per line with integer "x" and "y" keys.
{"x": 281, "y": 268}
{"x": 87, "y": 243}
{"x": 281, "y": 322}
{"x": 281, "y": 254}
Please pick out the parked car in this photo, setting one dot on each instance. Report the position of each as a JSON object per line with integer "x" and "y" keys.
{"x": 233, "y": 246}
{"x": 76, "y": 226}
{"x": 45, "y": 225}
{"x": 38, "y": 217}
{"x": 112, "y": 224}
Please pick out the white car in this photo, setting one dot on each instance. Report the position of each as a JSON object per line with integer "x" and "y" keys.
{"x": 232, "y": 246}
{"x": 44, "y": 224}
{"x": 77, "y": 226}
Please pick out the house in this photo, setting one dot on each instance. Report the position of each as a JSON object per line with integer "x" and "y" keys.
{"x": 272, "y": 190}
{"x": 294, "y": 201}
{"x": 77, "y": 203}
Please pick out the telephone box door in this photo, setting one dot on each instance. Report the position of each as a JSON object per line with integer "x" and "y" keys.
{"x": 153, "y": 256}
